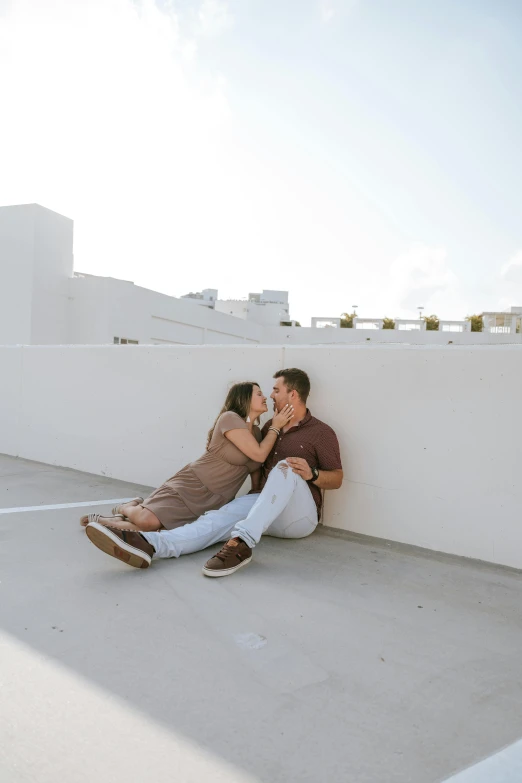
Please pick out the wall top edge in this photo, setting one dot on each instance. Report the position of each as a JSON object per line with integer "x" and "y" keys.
{"x": 288, "y": 346}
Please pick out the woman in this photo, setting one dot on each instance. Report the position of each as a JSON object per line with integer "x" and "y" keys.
{"x": 234, "y": 449}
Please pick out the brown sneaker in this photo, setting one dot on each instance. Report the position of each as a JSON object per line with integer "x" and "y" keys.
{"x": 127, "y": 546}
{"x": 235, "y": 554}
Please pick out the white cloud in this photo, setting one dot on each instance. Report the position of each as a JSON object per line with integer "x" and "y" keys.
{"x": 511, "y": 272}
{"x": 508, "y": 286}
{"x": 421, "y": 277}
{"x": 326, "y": 10}
{"x": 215, "y": 17}
{"x": 330, "y": 8}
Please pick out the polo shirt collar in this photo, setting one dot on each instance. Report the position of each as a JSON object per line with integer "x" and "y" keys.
{"x": 306, "y": 418}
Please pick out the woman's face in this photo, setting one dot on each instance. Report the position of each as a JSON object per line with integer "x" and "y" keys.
{"x": 258, "y": 404}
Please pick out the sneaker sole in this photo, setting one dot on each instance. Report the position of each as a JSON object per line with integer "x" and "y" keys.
{"x": 109, "y": 543}
{"x": 225, "y": 571}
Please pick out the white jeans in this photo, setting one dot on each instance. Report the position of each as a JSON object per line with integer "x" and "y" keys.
{"x": 285, "y": 508}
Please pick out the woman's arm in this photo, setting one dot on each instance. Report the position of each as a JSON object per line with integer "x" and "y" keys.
{"x": 246, "y": 442}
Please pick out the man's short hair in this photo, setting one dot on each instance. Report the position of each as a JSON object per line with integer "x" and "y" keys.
{"x": 295, "y": 380}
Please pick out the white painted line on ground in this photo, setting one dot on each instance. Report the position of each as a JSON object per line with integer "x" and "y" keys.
{"x": 19, "y": 509}
{"x": 503, "y": 767}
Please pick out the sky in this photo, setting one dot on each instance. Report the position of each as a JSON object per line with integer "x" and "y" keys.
{"x": 352, "y": 152}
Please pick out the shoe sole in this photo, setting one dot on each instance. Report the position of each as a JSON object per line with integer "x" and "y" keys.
{"x": 109, "y": 543}
{"x": 225, "y": 571}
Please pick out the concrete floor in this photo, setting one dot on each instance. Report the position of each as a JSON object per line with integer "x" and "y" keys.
{"x": 327, "y": 659}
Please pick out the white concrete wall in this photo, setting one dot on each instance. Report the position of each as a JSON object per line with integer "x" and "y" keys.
{"x": 431, "y": 437}
{"x": 16, "y": 270}
{"x": 205, "y": 298}
{"x": 269, "y": 313}
{"x": 53, "y": 266}
{"x": 88, "y": 315}
{"x": 101, "y": 308}
{"x": 324, "y": 322}
{"x": 310, "y": 336}
{"x": 271, "y": 295}
{"x": 235, "y": 307}
{"x": 266, "y": 314}
{"x": 36, "y": 259}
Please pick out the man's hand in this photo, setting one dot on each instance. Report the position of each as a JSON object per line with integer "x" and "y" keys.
{"x": 301, "y": 467}
{"x": 328, "y": 479}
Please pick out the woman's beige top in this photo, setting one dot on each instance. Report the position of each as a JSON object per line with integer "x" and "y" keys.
{"x": 223, "y": 467}
{"x": 208, "y": 483}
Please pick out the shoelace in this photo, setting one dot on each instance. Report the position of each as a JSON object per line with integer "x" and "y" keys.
{"x": 228, "y": 550}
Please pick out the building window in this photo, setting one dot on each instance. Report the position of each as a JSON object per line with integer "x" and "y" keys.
{"x": 452, "y": 328}
{"x": 125, "y": 341}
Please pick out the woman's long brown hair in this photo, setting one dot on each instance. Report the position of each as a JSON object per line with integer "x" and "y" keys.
{"x": 238, "y": 400}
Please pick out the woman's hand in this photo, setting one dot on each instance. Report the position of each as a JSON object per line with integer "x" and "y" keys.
{"x": 282, "y": 418}
{"x": 245, "y": 441}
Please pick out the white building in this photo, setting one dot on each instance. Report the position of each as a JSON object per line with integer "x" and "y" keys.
{"x": 269, "y": 308}
{"x": 43, "y": 302}
{"x": 206, "y": 298}
{"x": 105, "y": 310}
{"x": 36, "y": 264}
{"x": 368, "y": 323}
{"x": 508, "y": 322}
{"x": 326, "y": 322}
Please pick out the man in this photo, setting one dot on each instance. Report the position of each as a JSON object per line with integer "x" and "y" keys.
{"x": 287, "y": 504}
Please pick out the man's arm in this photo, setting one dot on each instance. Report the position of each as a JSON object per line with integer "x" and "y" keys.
{"x": 328, "y": 479}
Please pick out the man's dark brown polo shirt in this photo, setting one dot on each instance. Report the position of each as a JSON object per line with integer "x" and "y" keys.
{"x": 311, "y": 439}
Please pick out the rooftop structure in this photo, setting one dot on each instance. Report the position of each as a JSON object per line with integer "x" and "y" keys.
{"x": 44, "y": 301}
{"x": 36, "y": 265}
{"x": 269, "y": 297}
{"x": 343, "y": 655}
{"x": 326, "y": 322}
{"x": 454, "y": 326}
{"x": 503, "y": 322}
{"x": 400, "y": 324}
{"x": 269, "y": 308}
{"x": 368, "y": 323}
{"x": 206, "y": 298}
{"x": 410, "y": 324}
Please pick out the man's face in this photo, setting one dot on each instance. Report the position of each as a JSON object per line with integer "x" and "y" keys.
{"x": 281, "y": 396}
